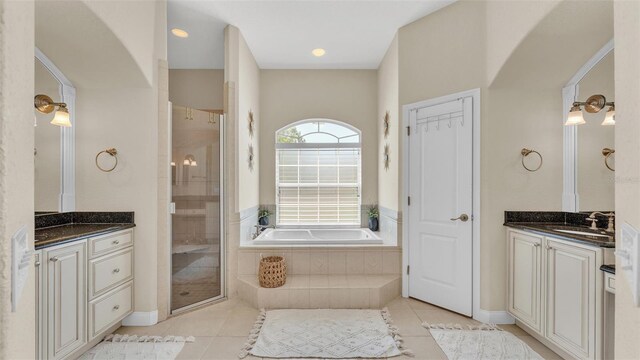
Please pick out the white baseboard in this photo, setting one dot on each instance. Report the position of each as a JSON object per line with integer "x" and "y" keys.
{"x": 494, "y": 317}
{"x": 140, "y": 318}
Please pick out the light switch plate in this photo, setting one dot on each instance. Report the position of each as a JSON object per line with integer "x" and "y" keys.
{"x": 628, "y": 254}
{"x": 20, "y": 260}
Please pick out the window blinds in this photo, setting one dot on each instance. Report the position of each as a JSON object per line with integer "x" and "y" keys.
{"x": 318, "y": 186}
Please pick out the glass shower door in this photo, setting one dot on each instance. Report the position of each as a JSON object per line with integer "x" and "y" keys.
{"x": 196, "y": 184}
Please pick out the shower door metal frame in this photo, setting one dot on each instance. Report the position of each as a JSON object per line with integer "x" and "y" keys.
{"x": 223, "y": 216}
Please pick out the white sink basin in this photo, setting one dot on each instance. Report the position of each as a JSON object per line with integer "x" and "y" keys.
{"x": 584, "y": 233}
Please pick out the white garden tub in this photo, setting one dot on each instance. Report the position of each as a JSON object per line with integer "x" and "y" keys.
{"x": 271, "y": 237}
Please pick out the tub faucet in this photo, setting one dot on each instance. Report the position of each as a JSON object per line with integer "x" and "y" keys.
{"x": 610, "y": 216}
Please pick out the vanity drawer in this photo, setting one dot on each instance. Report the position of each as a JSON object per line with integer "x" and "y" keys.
{"x": 106, "y": 311}
{"x": 109, "y": 271}
{"x": 105, "y": 244}
{"x": 610, "y": 283}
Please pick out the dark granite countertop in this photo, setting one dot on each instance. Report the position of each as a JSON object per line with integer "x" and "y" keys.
{"x": 611, "y": 269}
{"x": 549, "y": 229}
{"x": 60, "y": 228}
{"x": 57, "y": 235}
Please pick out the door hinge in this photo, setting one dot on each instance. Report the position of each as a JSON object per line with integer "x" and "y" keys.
{"x": 408, "y": 130}
{"x": 409, "y": 200}
{"x": 408, "y": 269}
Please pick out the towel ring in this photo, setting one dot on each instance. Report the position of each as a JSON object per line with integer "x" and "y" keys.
{"x": 607, "y": 154}
{"x": 111, "y": 151}
{"x": 525, "y": 152}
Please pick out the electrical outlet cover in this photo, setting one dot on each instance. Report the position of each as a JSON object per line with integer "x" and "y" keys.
{"x": 20, "y": 260}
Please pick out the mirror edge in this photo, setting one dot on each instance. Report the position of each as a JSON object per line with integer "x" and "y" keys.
{"x": 570, "y": 196}
{"x": 67, "y": 196}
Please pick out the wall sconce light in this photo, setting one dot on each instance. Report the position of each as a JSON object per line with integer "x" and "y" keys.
{"x": 46, "y": 105}
{"x": 189, "y": 160}
{"x": 594, "y": 104}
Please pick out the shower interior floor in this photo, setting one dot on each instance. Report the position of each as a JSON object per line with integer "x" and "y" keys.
{"x": 184, "y": 294}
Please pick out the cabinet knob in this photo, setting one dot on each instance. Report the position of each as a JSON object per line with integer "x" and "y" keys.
{"x": 549, "y": 247}
{"x": 536, "y": 244}
{"x": 116, "y": 307}
{"x": 115, "y": 242}
{"x": 116, "y": 270}
{"x": 54, "y": 259}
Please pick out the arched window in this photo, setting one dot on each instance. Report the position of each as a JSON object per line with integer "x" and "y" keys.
{"x": 318, "y": 173}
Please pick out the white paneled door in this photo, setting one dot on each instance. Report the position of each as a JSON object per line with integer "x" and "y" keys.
{"x": 440, "y": 218}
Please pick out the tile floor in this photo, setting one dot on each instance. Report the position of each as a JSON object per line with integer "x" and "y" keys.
{"x": 221, "y": 329}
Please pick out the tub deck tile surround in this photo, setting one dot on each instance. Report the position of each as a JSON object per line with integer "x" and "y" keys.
{"x": 322, "y": 291}
{"x": 318, "y": 261}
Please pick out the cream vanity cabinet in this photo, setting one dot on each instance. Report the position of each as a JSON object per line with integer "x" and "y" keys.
{"x": 84, "y": 288}
{"x": 555, "y": 289}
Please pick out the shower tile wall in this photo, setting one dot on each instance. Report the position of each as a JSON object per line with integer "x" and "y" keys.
{"x": 196, "y": 223}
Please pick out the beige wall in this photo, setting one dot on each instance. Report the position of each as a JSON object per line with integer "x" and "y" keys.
{"x": 243, "y": 75}
{"x": 131, "y": 128}
{"x": 242, "y": 87}
{"x": 198, "y": 88}
{"x": 442, "y": 53}
{"x": 507, "y": 23}
{"x": 349, "y": 96}
{"x": 388, "y": 87}
{"x": 134, "y": 24}
{"x": 17, "y": 329}
{"x": 596, "y": 183}
{"x": 627, "y": 75}
{"x": 248, "y": 90}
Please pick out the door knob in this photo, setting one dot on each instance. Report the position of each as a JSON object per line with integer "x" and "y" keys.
{"x": 463, "y": 218}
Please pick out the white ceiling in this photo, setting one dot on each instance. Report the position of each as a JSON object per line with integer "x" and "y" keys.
{"x": 281, "y": 34}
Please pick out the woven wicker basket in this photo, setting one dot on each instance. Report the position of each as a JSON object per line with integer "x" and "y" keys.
{"x": 272, "y": 272}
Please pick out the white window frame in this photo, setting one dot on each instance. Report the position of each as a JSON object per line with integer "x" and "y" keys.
{"x": 336, "y": 145}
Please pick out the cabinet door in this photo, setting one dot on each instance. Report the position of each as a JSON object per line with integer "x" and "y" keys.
{"x": 524, "y": 287}
{"x": 571, "y": 298}
{"x": 66, "y": 299}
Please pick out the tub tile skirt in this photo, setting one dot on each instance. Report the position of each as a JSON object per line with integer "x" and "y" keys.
{"x": 322, "y": 292}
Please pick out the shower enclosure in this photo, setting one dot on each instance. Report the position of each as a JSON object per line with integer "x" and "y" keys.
{"x": 196, "y": 183}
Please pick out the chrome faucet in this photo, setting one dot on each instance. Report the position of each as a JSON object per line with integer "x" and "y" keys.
{"x": 261, "y": 228}
{"x": 610, "y": 216}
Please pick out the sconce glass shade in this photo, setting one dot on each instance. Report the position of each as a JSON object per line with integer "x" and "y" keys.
{"x": 173, "y": 163}
{"x": 186, "y": 162}
{"x": 575, "y": 117}
{"x": 194, "y": 163}
{"x": 61, "y": 118}
{"x": 610, "y": 118}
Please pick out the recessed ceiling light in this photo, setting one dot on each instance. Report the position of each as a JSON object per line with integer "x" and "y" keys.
{"x": 318, "y": 52}
{"x": 179, "y": 33}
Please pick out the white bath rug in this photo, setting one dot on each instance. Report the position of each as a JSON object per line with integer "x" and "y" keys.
{"x": 324, "y": 333}
{"x": 132, "y": 347}
{"x": 479, "y": 343}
